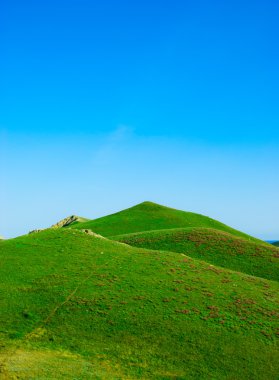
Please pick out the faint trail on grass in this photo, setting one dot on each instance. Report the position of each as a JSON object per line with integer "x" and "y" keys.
{"x": 4, "y": 372}
{"x": 53, "y": 312}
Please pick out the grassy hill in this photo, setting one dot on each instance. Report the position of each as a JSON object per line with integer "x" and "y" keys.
{"x": 148, "y": 216}
{"x": 214, "y": 246}
{"x": 276, "y": 244}
{"x": 75, "y": 306}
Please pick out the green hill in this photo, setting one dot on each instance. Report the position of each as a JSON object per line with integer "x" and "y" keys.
{"x": 148, "y": 216}
{"x": 214, "y": 246}
{"x": 276, "y": 244}
{"x": 76, "y": 306}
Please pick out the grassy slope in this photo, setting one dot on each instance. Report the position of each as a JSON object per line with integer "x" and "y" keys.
{"x": 214, "y": 246}
{"x": 78, "y": 307}
{"x": 150, "y": 216}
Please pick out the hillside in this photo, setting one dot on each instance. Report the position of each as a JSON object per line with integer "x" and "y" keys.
{"x": 214, "y": 246}
{"x": 148, "y": 216}
{"x": 276, "y": 244}
{"x": 75, "y": 306}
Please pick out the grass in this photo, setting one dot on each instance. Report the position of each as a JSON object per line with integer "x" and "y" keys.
{"x": 81, "y": 307}
{"x": 214, "y": 246}
{"x": 148, "y": 216}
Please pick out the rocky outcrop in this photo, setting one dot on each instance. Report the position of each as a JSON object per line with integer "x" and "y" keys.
{"x": 89, "y": 232}
{"x": 67, "y": 221}
{"x": 35, "y": 231}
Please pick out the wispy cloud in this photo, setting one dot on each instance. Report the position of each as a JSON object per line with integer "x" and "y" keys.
{"x": 112, "y": 143}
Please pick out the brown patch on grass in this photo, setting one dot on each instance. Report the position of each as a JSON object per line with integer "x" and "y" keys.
{"x": 139, "y": 298}
{"x": 166, "y": 299}
{"x": 208, "y": 294}
{"x": 214, "y": 269}
{"x": 184, "y": 311}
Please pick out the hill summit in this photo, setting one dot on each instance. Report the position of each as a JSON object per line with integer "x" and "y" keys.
{"x": 148, "y": 216}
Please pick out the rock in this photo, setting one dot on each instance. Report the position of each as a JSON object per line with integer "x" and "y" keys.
{"x": 35, "y": 231}
{"x": 67, "y": 221}
{"x": 89, "y": 232}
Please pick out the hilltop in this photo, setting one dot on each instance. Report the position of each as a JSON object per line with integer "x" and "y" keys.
{"x": 214, "y": 246}
{"x": 149, "y": 216}
{"x": 162, "y": 228}
{"x": 79, "y": 306}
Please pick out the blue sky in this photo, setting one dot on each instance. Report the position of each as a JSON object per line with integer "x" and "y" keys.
{"x": 106, "y": 104}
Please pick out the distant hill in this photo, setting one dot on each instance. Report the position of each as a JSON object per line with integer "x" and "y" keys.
{"x": 276, "y": 243}
{"x": 214, "y": 246}
{"x": 76, "y": 306}
{"x": 148, "y": 216}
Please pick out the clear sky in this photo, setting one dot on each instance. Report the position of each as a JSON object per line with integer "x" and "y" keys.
{"x": 104, "y": 104}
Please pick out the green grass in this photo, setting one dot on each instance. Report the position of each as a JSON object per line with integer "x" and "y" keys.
{"x": 150, "y": 216}
{"x": 214, "y": 246}
{"x": 74, "y": 306}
